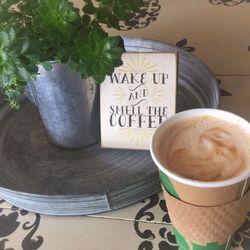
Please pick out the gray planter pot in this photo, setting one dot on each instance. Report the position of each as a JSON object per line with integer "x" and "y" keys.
{"x": 68, "y": 105}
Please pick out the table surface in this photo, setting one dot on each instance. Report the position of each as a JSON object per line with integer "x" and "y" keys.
{"x": 218, "y": 32}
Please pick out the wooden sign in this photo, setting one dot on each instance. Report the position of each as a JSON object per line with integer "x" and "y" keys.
{"x": 136, "y": 98}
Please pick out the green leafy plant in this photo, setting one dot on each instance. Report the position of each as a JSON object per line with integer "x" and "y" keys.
{"x": 34, "y": 33}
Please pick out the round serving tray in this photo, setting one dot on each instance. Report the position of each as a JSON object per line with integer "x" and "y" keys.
{"x": 37, "y": 176}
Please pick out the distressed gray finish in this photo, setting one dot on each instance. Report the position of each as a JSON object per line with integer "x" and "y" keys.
{"x": 68, "y": 105}
{"x": 37, "y": 176}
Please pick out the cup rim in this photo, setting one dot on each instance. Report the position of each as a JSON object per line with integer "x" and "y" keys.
{"x": 197, "y": 112}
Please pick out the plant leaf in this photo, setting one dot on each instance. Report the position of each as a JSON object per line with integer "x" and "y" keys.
{"x": 46, "y": 65}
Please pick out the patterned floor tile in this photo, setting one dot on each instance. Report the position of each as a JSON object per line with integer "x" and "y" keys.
{"x": 29, "y": 231}
{"x": 236, "y": 91}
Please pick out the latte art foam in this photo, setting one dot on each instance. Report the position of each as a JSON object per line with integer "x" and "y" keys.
{"x": 205, "y": 149}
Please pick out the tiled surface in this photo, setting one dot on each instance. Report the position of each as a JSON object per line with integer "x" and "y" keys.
{"x": 134, "y": 212}
{"x": 217, "y": 33}
{"x": 130, "y": 228}
{"x": 142, "y": 226}
{"x": 238, "y": 99}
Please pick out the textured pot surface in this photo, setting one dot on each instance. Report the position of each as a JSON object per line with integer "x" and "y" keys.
{"x": 68, "y": 105}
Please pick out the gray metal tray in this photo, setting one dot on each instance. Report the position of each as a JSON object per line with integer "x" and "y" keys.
{"x": 39, "y": 177}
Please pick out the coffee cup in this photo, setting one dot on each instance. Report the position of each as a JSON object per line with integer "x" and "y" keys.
{"x": 195, "y": 191}
{"x": 204, "y": 166}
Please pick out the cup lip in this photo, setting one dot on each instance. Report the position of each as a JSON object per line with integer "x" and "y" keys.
{"x": 194, "y": 113}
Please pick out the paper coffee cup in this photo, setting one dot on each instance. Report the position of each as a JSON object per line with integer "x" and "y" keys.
{"x": 195, "y": 192}
{"x": 204, "y": 214}
{"x": 206, "y": 228}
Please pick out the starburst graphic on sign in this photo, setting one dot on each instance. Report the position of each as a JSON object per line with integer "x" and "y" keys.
{"x": 138, "y": 64}
{"x": 156, "y": 95}
{"x": 136, "y": 136}
{"x": 119, "y": 95}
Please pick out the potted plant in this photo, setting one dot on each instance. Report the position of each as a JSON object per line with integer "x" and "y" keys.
{"x": 61, "y": 51}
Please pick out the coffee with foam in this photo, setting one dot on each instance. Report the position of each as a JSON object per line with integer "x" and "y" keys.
{"x": 205, "y": 148}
